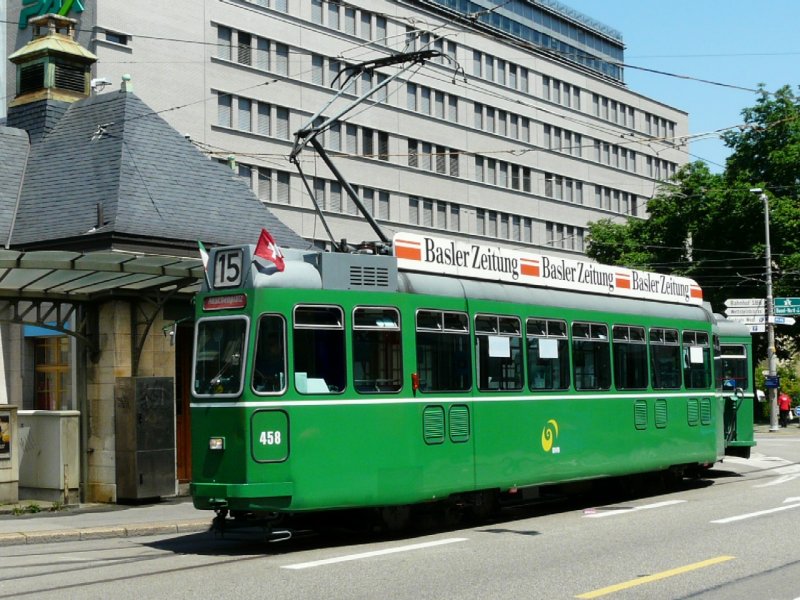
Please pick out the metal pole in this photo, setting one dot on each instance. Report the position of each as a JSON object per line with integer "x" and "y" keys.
{"x": 772, "y": 363}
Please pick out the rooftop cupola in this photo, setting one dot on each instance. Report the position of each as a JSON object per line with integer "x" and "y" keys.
{"x": 52, "y": 66}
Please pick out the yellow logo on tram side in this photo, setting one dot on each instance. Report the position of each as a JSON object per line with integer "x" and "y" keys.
{"x": 549, "y": 436}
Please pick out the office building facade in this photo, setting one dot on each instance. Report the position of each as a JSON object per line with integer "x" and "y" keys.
{"x": 518, "y": 130}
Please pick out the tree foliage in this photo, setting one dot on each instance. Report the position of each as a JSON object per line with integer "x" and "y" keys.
{"x": 710, "y": 226}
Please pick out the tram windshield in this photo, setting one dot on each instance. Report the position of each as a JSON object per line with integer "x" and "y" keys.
{"x": 219, "y": 351}
{"x": 732, "y": 367}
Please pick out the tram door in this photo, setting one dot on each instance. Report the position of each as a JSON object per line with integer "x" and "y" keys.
{"x": 183, "y": 376}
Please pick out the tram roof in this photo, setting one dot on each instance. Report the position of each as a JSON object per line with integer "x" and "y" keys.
{"x": 334, "y": 271}
{"x": 420, "y": 283}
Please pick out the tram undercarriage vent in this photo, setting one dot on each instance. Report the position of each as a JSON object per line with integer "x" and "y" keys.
{"x": 359, "y": 272}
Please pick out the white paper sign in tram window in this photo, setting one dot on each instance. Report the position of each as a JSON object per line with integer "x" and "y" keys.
{"x": 548, "y": 348}
{"x": 696, "y": 355}
{"x": 499, "y": 347}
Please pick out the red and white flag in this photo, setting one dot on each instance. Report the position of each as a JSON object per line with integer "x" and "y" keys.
{"x": 269, "y": 250}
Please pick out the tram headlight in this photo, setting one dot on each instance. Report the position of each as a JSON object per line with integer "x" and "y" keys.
{"x": 216, "y": 443}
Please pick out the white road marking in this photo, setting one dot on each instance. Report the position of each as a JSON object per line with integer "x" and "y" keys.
{"x": 759, "y": 462}
{"x": 620, "y": 511}
{"x": 778, "y": 481}
{"x": 348, "y": 557}
{"x": 755, "y": 514}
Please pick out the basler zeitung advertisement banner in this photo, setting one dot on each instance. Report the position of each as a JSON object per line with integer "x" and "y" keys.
{"x": 479, "y": 261}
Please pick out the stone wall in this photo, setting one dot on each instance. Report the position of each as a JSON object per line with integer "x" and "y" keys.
{"x": 115, "y": 360}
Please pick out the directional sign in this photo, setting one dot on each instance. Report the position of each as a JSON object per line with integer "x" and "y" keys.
{"x": 787, "y": 306}
{"x": 749, "y": 319}
{"x": 742, "y": 312}
{"x": 758, "y": 328}
{"x": 778, "y": 320}
{"x": 745, "y": 302}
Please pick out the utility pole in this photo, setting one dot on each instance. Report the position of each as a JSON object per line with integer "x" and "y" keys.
{"x": 772, "y": 363}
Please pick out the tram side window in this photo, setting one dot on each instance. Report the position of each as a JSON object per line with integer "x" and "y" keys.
{"x": 630, "y": 357}
{"x": 548, "y": 354}
{"x": 696, "y": 360}
{"x": 219, "y": 348}
{"x": 443, "y": 355}
{"x": 269, "y": 367}
{"x": 665, "y": 358}
{"x": 591, "y": 356}
{"x": 319, "y": 350}
{"x": 377, "y": 353}
{"x": 732, "y": 368}
{"x": 498, "y": 349}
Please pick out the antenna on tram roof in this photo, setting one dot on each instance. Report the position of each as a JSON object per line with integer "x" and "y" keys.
{"x": 310, "y": 133}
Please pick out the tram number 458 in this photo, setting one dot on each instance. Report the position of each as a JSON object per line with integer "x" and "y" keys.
{"x": 270, "y": 438}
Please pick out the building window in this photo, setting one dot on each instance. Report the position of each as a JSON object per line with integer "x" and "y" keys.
{"x": 333, "y": 15}
{"x": 383, "y": 205}
{"x": 117, "y": 38}
{"x": 282, "y": 123}
{"x": 350, "y": 20}
{"x": 317, "y": 69}
{"x": 413, "y": 211}
{"x": 224, "y": 43}
{"x": 282, "y": 59}
{"x": 316, "y": 11}
{"x": 351, "y": 138}
{"x": 366, "y": 25}
{"x": 224, "y": 112}
{"x": 244, "y": 55}
{"x": 367, "y": 145}
{"x": 52, "y": 379}
{"x": 411, "y": 96}
{"x": 264, "y": 185}
{"x": 283, "y": 187}
{"x": 262, "y": 60}
{"x": 244, "y": 117}
{"x": 413, "y": 160}
{"x": 383, "y": 145}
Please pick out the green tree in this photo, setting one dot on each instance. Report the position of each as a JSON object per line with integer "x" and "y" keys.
{"x": 710, "y": 227}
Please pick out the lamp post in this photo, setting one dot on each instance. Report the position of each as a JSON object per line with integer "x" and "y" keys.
{"x": 772, "y": 365}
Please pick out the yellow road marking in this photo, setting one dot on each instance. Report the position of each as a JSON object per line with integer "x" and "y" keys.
{"x": 655, "y": 577}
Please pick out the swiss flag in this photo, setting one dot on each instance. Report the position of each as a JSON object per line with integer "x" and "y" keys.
{"x": 269, "y": 250}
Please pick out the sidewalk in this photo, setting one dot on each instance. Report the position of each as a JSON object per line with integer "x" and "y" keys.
{"x": 95, "y": 521}
{"x": 791, "y": 430}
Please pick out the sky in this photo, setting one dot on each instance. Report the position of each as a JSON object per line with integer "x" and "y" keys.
{"x": 732, "y": 42}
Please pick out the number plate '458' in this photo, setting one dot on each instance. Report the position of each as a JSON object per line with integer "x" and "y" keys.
{"x": 269, "y": 436}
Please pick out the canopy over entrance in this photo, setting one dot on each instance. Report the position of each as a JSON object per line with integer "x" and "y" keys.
{"x": 85, "y": 276}
{"x": 46, "y": 287}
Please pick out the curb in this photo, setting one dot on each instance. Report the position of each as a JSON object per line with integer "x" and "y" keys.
{"x": 97, "y": 533}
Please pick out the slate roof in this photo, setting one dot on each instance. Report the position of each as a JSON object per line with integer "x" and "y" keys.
{"x": 14, "y": 148}
{"x": 153, "y": 187}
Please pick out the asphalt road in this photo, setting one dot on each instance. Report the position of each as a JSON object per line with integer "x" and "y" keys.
{"x": 731, "y": 535}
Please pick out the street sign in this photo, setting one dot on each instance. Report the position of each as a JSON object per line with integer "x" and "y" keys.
{"x": 778, "y": 320}
{"x": 758, "y": 328}
{"x": 745, "y": 302}
{"x": 748, "y": 320}
{"x": 787, "y": 306}
{"x": 772, "y": 381}
{"x": 745, "y": 311}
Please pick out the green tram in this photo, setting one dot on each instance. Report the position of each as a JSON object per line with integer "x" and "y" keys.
{"x": 449, "y": 371}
